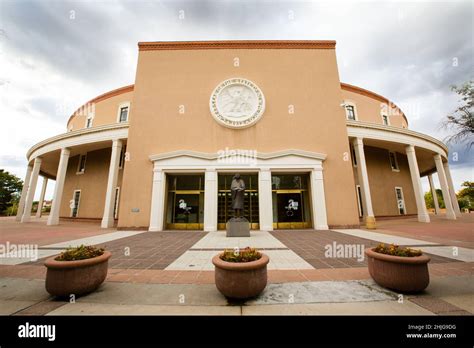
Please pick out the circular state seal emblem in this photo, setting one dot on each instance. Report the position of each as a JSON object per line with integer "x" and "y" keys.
{"x": 237, "y": 103}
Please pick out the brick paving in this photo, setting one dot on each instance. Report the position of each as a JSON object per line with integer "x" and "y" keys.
{"x": 154, "y": 250}
{"x": 37, "y": 232}
{"x": 207, "y": 277}
{"x": 457, "y": 232}
{"x": 310, "y": 245}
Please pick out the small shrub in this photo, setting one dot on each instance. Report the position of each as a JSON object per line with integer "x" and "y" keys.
{"x": 82, "y": 252}
{"x": 243, "y": 255}
{"x": 395, "y": 250}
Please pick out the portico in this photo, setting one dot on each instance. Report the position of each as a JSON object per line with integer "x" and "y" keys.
{"x": 264, "y": 164}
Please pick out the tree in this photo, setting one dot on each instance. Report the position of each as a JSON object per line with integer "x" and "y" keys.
{"x": 462, "y": 119}
{"x": 429, "y": 199}
{"x": 466, "y": 195}
{"x": 10, "y": 188}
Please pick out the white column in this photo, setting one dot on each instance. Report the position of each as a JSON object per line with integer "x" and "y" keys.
{"x": 319, "y": 199}
{"x": 364, "y": 183}
{"x": 210, "y": 200}
{"x": 444, "y": 187}
{"x": 31, "y": 190}
{"x": 157, "y": 200}
{"x": 416, "y": 181}
{"x": 24, "y": 192}
{"x": 265, "y": 199}
{"x": 108, "y": 218}
{"x": 452, "y": 192}
{"x": 41, "y": 200}
{"x": 53, "y": 218}
{"x": 434, "y": 194}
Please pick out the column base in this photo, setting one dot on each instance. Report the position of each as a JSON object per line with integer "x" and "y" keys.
{"x": 450, "y": 216}
{"x": 18, "y": 218}
{"x": 107, "y": 223}
{"x": 210, "y": 229}
{"x": 266, "y": 228}
{"x": 322, "y": 227}
{"x": 423, "y": 218}
{"x": 52, "y": 221}
{"x": 25, "y": 218}
{"x": 370, "y": 223}
{"x": 154, "y": 229}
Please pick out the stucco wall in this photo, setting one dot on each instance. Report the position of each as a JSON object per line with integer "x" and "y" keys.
{"x": 307, "y": 79}
{"x": 383, "y": 180}
{"x": 93, "y": 184}
{"x": 106, "y": 111}
{"x": 370, "y": 109}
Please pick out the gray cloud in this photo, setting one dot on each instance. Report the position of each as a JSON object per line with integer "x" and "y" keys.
{"x": 403, "y": 51}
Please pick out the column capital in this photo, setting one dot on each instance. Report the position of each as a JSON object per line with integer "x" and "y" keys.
{"x": 437, "y": 157}
{"x": 358, "y": 141}
{"x": 65, "y": 151}
{"x": 410, "y": 148}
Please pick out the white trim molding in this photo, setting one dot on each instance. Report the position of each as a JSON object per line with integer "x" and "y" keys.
{"x": 79, "y": 137}
{"x": 120, "y": 106}
{"x": 347, "y": 103}
{"x": 394, "y": 134}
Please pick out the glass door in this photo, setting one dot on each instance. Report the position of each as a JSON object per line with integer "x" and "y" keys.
{"x": 185, "y": 202}
{"x": 291, "y": 205}
{"x": 224, "y": 200}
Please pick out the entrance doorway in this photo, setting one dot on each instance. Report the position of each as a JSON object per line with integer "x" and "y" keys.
{"x": 291, "y": 205}
{"x": 224, "y": 200}
{"x": 185, "y": 202}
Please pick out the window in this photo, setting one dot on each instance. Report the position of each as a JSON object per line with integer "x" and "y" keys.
{"x": 81, "y": 167}
{"x": 116, "y": 202}
{"x": 122, "y": 156}
{"x": 76, "y": 198}
{"x": 89, "y": 122}
{"x": 350, "y": 112}
{"x": 359, "y": 201}
{"x": 385, "y": 120}
{"x": 400, "y": 201}
{"x": 393, "y": 161}
{"x": 123, "y": 114}
{"x": 353, "y": 155}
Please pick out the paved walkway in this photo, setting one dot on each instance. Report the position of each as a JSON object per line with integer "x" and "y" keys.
{"x": 442, "y": 231}
{"x": 450, "y": 295}
{"x": 179, "y": 263}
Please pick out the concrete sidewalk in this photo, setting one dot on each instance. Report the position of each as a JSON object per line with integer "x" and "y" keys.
{"x": 444, "y": 296}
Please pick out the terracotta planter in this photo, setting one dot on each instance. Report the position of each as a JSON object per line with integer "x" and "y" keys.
{"x": 403, "y": 274}
{"x": 240, "y": 280}
{"x": 64, "y": 278}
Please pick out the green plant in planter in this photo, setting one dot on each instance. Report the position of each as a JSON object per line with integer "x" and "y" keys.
{"x": 80, "y": 253}
{"x": 243, "y": 255}
{"x": 395, "y": 250}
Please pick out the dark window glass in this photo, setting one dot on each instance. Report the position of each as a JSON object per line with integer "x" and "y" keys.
{"x": 124, "y": 114}
{"x": 350, "y": 112}
{"x": 393, "y": 160}
{"x": 122, "y": 156}
{"x": 82, "y": 163}
{"x": 354, "y": 158}
{"x": 186, "y": 182}
{"x": 289, "y": 181}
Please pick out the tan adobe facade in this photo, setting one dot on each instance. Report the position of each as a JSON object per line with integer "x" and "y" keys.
{"x": 317, "y": 153}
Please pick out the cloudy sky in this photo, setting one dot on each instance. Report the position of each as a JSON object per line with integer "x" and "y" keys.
{"x": 56, "y": 55}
